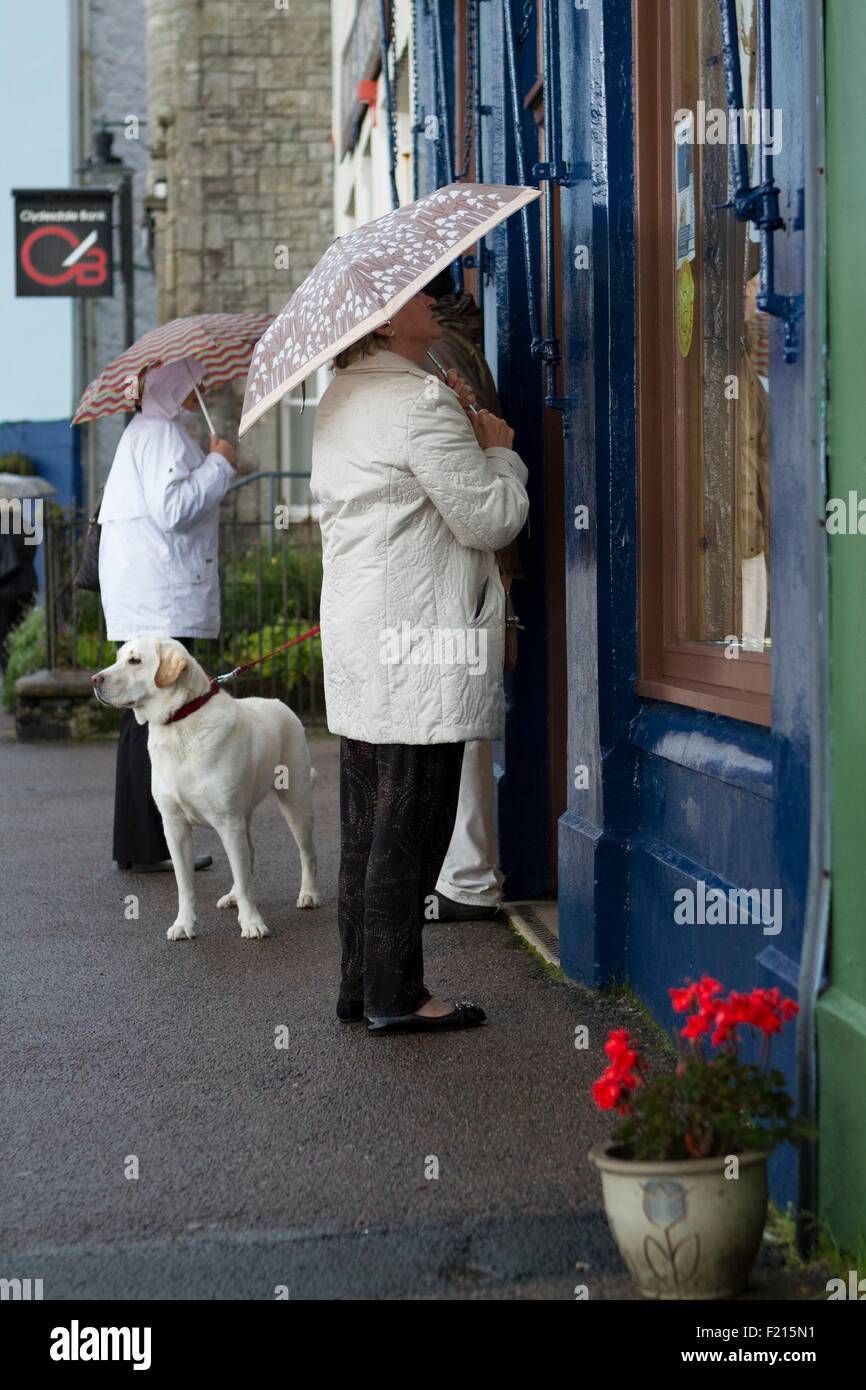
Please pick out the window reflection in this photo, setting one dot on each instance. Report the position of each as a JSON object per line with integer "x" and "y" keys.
{"x": 722, "y": 381}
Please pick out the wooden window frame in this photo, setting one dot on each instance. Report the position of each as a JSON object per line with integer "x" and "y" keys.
{"x": 681, "y": 672}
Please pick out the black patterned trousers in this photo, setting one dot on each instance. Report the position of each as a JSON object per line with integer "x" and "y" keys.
{"x": 398, "y": 805}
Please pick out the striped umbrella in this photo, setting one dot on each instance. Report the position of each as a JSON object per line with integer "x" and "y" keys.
{"x": 366, "y": 276}
{"x": 223, "y": 343}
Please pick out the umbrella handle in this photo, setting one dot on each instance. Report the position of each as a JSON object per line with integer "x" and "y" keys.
{"x": 438, "y": 365}
{"x": 204, "y": 410}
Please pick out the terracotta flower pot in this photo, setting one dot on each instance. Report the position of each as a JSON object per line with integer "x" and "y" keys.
{"x": 683, "y": 1228}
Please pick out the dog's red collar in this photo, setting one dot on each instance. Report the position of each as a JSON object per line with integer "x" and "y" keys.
{"x": 192, "y": 705}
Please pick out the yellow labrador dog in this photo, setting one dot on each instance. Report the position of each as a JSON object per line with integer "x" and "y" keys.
{"x": 214, "y": 759}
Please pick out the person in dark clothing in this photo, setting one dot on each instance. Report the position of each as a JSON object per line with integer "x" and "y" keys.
{"x": 139, "y": 839}
{"x": 18, "y": 583}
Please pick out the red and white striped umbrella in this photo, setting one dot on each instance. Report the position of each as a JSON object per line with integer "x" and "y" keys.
{"x": 223, "y": 343}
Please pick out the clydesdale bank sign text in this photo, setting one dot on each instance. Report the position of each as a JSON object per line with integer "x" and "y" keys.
{"x": 63, "y": 242}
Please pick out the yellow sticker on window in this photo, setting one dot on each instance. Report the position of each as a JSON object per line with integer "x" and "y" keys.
{"x": 685, "y": 307}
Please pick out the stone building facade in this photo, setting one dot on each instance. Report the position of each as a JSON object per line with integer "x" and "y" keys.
{"x": 239, "y": 95}
{"x": 362, "y": 188}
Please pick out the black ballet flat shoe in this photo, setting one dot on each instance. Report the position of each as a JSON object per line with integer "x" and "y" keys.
{"x": 164, "y": 866}
{"x": 350, "y": 1010}
{"x": 451, "y": 911}
{"x": 463, "y": 1015}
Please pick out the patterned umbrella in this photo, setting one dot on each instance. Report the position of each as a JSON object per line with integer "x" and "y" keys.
{"x": 14, "y": 485}
{"x": 365, "y": 277}
{"x": 223, "y": 343}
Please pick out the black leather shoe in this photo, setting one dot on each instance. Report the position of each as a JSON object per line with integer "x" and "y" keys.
{"x": 463, "y": 1015}
{"x": 165, "y": 866}
{"x": 350, "y": 1010}
{"x": 451, "y": 911}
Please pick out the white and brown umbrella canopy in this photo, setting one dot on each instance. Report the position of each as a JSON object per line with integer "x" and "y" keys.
{"x": 223, "y": 343}
{"x": 366, "y": 276}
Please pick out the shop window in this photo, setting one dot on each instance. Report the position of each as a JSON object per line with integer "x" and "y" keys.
{"x": 703, "y": 371}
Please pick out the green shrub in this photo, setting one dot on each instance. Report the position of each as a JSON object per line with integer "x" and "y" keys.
{"x": 293, "y": 571}
{"x": 282, "y": 619}
{"x": 17, "y": 463}
{"x": 299, "y": 663}
{"x": 25, "y": 653}
{"x": 26, "y": 649}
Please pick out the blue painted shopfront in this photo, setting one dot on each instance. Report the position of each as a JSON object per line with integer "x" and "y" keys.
{"x": 673, "y": 796}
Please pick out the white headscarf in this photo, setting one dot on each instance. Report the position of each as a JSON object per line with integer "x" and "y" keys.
{"x": 166, "y": 388}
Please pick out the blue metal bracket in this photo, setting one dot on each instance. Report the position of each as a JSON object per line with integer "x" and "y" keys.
{"x": 759, "y": 205}
{"x": 548, "y": 350}
{"x": 486, "y": 262}
{"x": 556, "y": 171}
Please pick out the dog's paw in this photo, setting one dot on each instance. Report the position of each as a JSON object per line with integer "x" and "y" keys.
{"x": 253, "y": 929}
{"x": 179, "y": 931}
{"x": 228, "y": 899}
{"x": 307, "y": 900}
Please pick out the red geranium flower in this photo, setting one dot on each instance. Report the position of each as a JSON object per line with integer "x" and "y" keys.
{"x": 682, "y": 999}
{"x": 606, "y": 1091}
{"x": 698, "y": 1024}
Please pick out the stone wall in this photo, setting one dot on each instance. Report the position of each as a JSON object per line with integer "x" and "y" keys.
{"x": 240, "y": 107}
{"x": 53, "y": 705}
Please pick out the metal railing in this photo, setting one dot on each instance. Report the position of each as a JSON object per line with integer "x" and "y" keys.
{"x": 270, "y": 581}
{"x": 74, "y": 624}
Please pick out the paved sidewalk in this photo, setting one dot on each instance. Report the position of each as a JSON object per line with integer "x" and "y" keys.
{"x": 259, "y": 1166}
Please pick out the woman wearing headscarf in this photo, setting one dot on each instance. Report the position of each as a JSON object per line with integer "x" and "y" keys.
{"x": 158, "y": 569}
{"x": 416, "y": 498}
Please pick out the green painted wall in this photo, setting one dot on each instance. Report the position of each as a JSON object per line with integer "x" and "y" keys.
{"x": 842, "y": 1009}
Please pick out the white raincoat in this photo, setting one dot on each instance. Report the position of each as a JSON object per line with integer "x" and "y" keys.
{"x": 158, "y": 569}
{"x": 412, "y": 514}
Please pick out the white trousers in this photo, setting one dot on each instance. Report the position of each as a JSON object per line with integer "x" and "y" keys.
{"x": 470, "y": 873}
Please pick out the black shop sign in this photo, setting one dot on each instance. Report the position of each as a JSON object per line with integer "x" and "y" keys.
{"x": 63, "y": 242}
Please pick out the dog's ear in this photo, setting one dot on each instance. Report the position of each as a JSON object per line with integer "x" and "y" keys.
{"x": 171, "y": 667}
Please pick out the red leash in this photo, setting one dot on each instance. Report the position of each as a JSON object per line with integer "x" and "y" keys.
{"x": 239, "y": 670}
{"x": 216, "y": 682}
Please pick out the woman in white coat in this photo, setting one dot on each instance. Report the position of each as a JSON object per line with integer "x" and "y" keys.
{"x": 158, "y": 570}
{"x": 416, "y": 497}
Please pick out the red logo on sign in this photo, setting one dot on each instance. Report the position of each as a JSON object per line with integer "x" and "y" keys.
{"x": 91, "y": 269}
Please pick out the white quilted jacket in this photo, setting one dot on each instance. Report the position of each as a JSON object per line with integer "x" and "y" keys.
{"x": 412, "y": 511}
